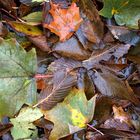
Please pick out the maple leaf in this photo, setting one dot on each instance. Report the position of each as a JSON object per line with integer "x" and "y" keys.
{"x": 66, "y": 21}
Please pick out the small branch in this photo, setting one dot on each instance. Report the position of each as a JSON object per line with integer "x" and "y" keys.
{"x": 95, "y": 129}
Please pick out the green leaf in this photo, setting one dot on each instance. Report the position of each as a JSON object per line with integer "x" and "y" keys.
{"x": 23, "y": 126}
{"x": 16, "y": 85}
{"x": 74, "y": 112}
{"x": 32, "y": 18}
{"x": 126, "y": 12}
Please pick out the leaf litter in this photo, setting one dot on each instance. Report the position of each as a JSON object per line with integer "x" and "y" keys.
{"x": 78, "y": 76}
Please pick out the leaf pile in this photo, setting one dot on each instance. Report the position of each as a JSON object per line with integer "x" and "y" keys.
{"x": 70, "y": 69}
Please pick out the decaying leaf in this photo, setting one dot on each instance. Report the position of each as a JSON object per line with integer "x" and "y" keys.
{"x": 26, "y": 28}
{"x": 66, "y": 21}
{"x": 71, "y": 49}
{"x": 23, "y": 126}
{"x": 62, "y": 84}
{"x": 75, "y": 110}
{"x": 92, "y": 26}
{"x": 16, "y": 88}
{"x": 121, "y": 115}
{"x": 110, "y": 85}
{"x": 117, "y": 51}
{"x": 125, "y": 35}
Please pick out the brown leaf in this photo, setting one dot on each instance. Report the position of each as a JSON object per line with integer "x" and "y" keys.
{"x": 120, "y": 115}
{"x": 3, "y": 30}
{"x": 40, "y": 42}
{"x": 117, "y": 51}
{"x": 71, "y": 49}
{"x": 92, "y": 26}
{"x": 4, "y": 128}
{"x": 66, "y": 21}
{"x": 110, "y": 85}
{"x": 62, "y": 84}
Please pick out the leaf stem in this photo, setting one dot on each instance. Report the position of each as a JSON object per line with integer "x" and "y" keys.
{"x": 41, "y": 76}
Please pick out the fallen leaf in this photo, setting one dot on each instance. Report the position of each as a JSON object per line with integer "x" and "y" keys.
{"x": 62, "y": 84}
{"x": 125, "y": 35}
{"x": 121, "y": 115}
{"x": 110, "y": 85}
{"x": 4, "y": 128}
{"x": 34, "y": 18}
{"x": 92, "y": 26}
{"x": 32, "y": 2}
{"x": 40, "y": 42}
{"x": 74, "y": 111}
{"x": 26, "y": 28}
{"x": 71, "y": 49}
{"x": 16, "y": 85}
{"x": 117, "y": 51}
{"x": 125, "y": 12}
{"x": 3, "y": 30}
{"x": 65, "y": 22}
{"x": 23, "y": 123}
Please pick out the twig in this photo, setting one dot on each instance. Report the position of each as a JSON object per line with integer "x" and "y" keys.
{"x": 95, "y": 129}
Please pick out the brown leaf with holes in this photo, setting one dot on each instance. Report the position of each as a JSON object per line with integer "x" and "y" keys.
{"x": 65, "y": 21}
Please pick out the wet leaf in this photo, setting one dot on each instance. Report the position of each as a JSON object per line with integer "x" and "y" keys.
{"x": 62, "y": 84}
{"x": 125, "y": 35}
{"x": 65, "y": 21}
{"x": 75, "y": 110}
{"x": 32, "y": 2}
{"x": 25, "y": 28}
{"x": 40, "y": 42}
{"x": 34, "y": 18}
{"x": 110, "y": 85}
{"x": 92, "y": 25}
{"x": 16, "y": 85}
{"x": 4, "y": 128}
{"x": 120, "y": 115}
{"x": 71, "y": 49}
{"x": 103, "y": 108}
{"x": 117, "y": 51}
{"x": 3, "y": 30}
{"x": 126, "y": 12}
{"x": 23, "y": 126}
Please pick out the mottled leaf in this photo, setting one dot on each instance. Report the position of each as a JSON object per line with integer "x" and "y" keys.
{"x": 23, "y": 126}
{"x": 74, "y": 111}
{"x": 25, "y": 28}
{"x": 16, "y": 85}
{"x": 65, "y": 21}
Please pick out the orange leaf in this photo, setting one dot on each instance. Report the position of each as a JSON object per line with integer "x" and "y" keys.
{"x": 121, "y": 115}
{"x": 65, "y": 22}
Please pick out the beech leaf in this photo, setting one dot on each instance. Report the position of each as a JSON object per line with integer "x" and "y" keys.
{"x": 74, "y": 112}
{"x": 117, "y": 51}
{"x": 16, "y": 86}
{"x": 66, "y": 21}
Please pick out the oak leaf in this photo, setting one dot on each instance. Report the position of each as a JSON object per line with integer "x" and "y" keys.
{"x": 65, "y": 22}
